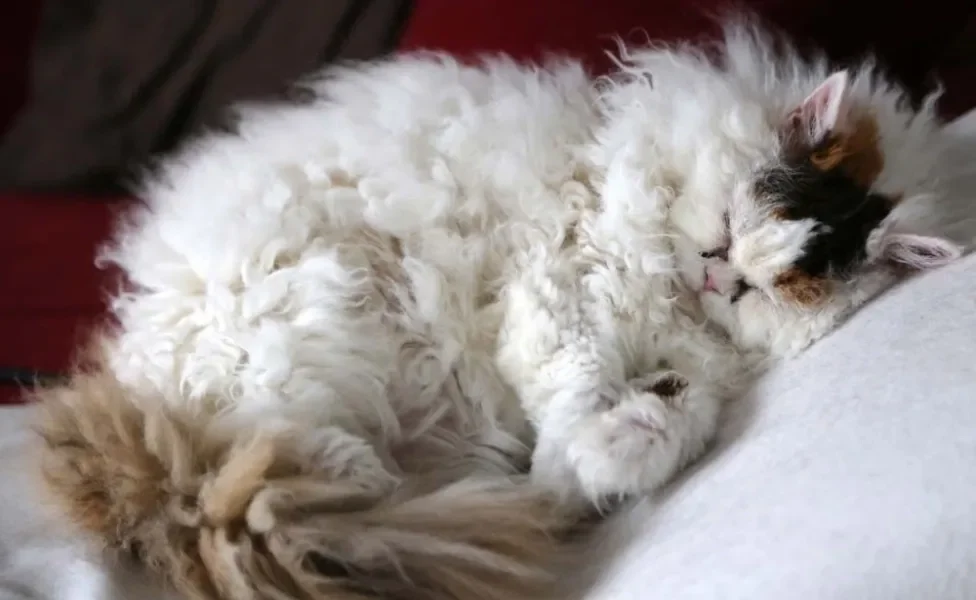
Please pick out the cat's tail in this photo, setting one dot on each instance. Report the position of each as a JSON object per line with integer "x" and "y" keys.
{"x": 238, "y": 520}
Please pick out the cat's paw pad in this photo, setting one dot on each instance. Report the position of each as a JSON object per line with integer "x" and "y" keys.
{"x": 669, "y": 386}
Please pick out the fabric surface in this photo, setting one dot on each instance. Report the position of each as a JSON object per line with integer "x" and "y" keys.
{"x": 114, "y": 81}
{"x": 17, "y": 28}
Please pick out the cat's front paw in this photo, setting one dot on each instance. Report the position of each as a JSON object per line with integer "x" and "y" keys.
{"x": 642, "y": 438}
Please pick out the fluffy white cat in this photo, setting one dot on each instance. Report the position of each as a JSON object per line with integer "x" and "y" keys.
{"x": 353, "y": 322}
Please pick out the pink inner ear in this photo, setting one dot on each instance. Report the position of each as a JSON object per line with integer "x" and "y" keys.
{"x": 825, "y": 110}
{"x": 920, "y": 252}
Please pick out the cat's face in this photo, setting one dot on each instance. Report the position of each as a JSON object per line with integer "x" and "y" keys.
{"x": 808, "y": 236}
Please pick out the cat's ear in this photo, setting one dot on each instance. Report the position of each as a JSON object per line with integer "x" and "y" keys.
{"x": 918, "y": 252}
{"x": 826, "y": 109}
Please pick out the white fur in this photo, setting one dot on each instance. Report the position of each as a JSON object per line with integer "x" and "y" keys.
{"x": 430, "y": 247}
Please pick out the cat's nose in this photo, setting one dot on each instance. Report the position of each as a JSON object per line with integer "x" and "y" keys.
{"x": 710, "y": 284}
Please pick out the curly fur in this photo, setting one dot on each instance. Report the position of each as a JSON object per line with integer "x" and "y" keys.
{"x": 244, "y": 517}
{"x": 353, "y": 323}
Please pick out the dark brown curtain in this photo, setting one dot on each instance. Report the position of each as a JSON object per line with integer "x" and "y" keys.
{"x": 114, "y": 82}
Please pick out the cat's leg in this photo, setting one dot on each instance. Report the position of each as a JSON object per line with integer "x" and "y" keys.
{"x": 599, "y": 435}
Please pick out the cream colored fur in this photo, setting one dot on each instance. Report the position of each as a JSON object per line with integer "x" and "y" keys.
{"x": 269, "y": 515}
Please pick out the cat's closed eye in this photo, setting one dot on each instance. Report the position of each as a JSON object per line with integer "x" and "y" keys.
{"x": 721, "y": 253}
{"x": 741, "y": 288}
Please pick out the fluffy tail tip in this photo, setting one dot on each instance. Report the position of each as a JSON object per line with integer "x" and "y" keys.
{"x": 238, "y": 520}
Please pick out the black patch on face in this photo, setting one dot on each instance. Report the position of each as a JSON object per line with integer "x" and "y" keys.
{"x": 846, "y": 213}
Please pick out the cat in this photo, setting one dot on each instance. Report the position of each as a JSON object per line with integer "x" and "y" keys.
{"x": 352, "y": 325}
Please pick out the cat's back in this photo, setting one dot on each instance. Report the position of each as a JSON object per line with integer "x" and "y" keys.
{"x": 250, "y": 252}
{"x": 398, "y": 146}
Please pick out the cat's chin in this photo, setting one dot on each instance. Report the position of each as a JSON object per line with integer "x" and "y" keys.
{"x": 718, "y": 309}
{"x": 749, "y": 322}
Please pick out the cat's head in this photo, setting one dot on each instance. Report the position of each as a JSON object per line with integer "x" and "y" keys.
{"x": 820, "y": 227}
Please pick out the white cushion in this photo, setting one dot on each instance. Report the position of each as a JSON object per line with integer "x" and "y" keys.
{"x": 850, "y": 473}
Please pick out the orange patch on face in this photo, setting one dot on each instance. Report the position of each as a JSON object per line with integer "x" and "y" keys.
{"x": 864, "y": 158}
{"x": 800, "y": 288}
{"x": 856, "y": 152}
